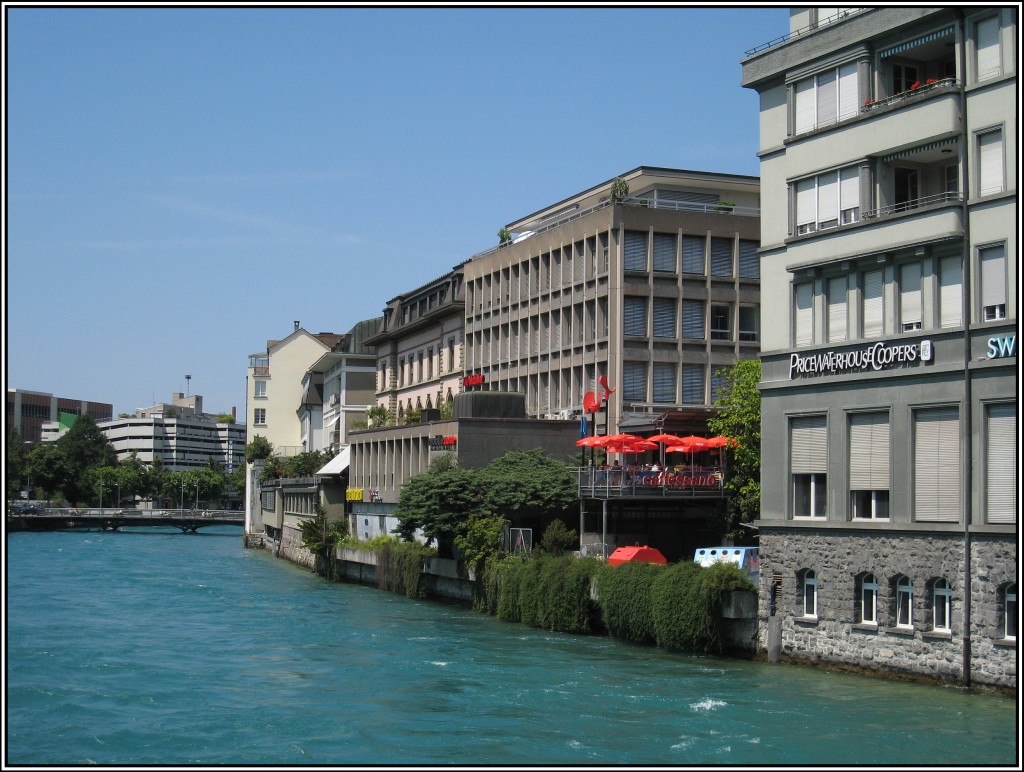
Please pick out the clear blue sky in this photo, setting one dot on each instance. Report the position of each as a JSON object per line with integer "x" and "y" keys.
{"x": 183, "y": 183}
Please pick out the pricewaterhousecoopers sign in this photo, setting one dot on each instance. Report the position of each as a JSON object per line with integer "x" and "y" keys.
{"x": 878, "y": 356}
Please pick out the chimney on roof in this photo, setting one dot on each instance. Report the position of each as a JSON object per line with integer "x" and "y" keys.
{"x": 296, "y": 324}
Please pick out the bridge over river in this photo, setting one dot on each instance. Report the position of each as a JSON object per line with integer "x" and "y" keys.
{"x": 189, "y": 521}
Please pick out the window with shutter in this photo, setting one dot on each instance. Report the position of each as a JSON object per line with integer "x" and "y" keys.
{"x": 721, "y": 256}
{"x": 1001, "y": 464}
{"x": 750, "y": 265}
{"x": 937, "y": 465}
{"x": 634, "y": 316}
{"x": 664, "y": 318}
{"x": 634, "y": 381}
{"x": 828, "y": 201}
{"x": 693, "y": 254}
{"x": 804, "y": 108}
{"x": 693, "y": 384}
{"x": 806, "y": 207}
{"x": 803, "y": 317}
{"x": 693, "y": 320}
{"x": 869, "y": 465}
{"x": 719, "y": 380}
{"x": 827, "y": 98}
{"x": 950, "y": 292}
{"x": 665, "y": 252}
{"x": 808, "y": 465}
{"x": 987, "y": 58}
{"x": 990, "y": 163}
{"x": 849, "y": 96}
{"x": 993, "y": 282}
{"x": 837, "y": 291}
{"x": 873, "y": 309}
{"x": 849, "y": 195}
{"x": 664, "y": 382}
{"x": 910, "y": 296}
{"x": 635, "y": 251}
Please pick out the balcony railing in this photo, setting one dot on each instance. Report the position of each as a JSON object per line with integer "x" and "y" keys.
{"x": 843, "y": 14}
{"x": 922, "y": 88}
{"x": 674, "y": 482}
{"x": 917, "y": 203}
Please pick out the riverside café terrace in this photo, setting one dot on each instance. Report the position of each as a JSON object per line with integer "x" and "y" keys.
{"x": 650, "y": 481}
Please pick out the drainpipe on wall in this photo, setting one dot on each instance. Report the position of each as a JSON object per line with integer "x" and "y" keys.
{"x": 966, "y": 425}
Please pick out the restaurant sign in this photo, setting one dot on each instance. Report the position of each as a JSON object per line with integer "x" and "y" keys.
{"x": 878, "y": 356}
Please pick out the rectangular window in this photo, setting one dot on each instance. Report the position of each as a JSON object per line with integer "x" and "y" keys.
{"x": 750, "y": 264}
{"x": 987, "y": 57}
{"x": 259, "y": 416}
{"x": 1010, "y": 613}
{"x": 825, "y": 98}
{"x": 991, "y": 177}
{"x": 748, "y": 323}
{"x": 803, "y": 310}
{"x": 869, "y": 465}
{"x": 937, "y": 465}
{"x": 872, "y": 312}
{"x": 719, "y": 380}
{"x": 903, "y": 77}
{"x": 951, "y": 178}
{"x": 721, "y": 322}
{"x": 721, "y": 256}
{"x": 693, "y": 320}
{"x": 808, "y": 465}
{"x": 827, "y": 200}
{"x": 634, "y": 381}
{"x": 1001, "y": 464}
{"x": 665, "y": 252}
{"x": 664, "y": 382}
{"x": 837, "y": 291}
{"x": 634, "y": 316}
{"x": 693, "y": 384}
{"x": 260, "y": 389}
{"x": 693, "y": 254}
{"x": 942, "y": 606}
{"x": 910, "y": 297}
{"x": 993, "y": 283}
{"x": 904, "y": 603}
{"x": 950, "y": 292}
{"x": 664, "y": 318}
{"x": 634, "y": 251}
{"x": 810, "y": 595}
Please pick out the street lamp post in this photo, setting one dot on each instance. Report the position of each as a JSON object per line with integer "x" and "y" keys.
{"x": 181, "y": 499}
{"x": 101, "y": 495}
{"x": 197, "y": 495}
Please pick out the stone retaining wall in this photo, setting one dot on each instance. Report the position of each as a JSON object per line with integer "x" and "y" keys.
{"x": 835, "y": 637}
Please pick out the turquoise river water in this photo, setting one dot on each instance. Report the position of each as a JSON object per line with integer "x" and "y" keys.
{"x": 156, "y": 647}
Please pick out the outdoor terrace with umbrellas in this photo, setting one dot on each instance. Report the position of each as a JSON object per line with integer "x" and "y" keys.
{"x": 662, "y": 466}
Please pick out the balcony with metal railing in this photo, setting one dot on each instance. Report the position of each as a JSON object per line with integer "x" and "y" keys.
{"x": 689, "y": 482}
{"x": 821, "y": 24}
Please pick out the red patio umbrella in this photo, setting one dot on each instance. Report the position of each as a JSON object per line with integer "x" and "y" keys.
{"x": 591, "y": 442}
{"x": 721, "y": 442}
{"x": 665, "y": 439}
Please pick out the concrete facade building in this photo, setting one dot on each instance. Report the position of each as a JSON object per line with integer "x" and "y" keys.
{"x": 888, "y": 530}
{"x": 657, "y": 292}
{"x": 27, "y": 411}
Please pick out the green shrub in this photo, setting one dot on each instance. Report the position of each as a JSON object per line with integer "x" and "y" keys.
{"x": 509, "y": 571}
{"x": 686, "y": 602}
{"x": 558, "y": 538}
{"x": 400, "y": 567}
{"x": 625, "y": 598}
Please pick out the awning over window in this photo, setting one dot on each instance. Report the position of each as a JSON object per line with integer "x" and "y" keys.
{"x": 338, "y": 464}
{"x": 920, "y": 149}
{"x": 916, "y": 42}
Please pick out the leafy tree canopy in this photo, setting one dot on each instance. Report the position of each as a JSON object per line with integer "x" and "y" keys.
{"x": 257, "y": 448}
{"x": 438, "y": 503}
{"x": 528, "y": 482}
{"x": 739, "y": 417}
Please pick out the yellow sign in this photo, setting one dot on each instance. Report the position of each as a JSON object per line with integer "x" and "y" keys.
{"x": 353, "y": 494}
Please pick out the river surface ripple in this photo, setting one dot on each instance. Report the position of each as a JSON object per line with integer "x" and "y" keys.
{"x": 156, "y": 647}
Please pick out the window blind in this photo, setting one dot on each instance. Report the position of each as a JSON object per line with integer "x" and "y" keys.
{"x": 693, "y": 320}
{"x": 693, "y": 384}
{"x": 837, "y": 290}
{"x": 808, "y": 445}
{"x": 990, "y": 158}
{"x": 869, "y": 452}
{"x": 849, "y": 97}
{"x": 664, "y": 377}
{"x": 665, "y": 252}
{"x": 910, "y": 293}
{"x": 993, "y": 276}
{"x": 1001, "y": 464}
{"x": 634, "y": 381}
{"x": 721, "y": 256}
{"x": 828, "y": 200}
{"x": 750, "y": 265}
{"x": 988, "y": 48}
{"x": 950, "y": 292}
{"x": 804, "y": 317}
{"x": 635, "y": 251}
{"x": 849, "y": 193}
{"x": 827, "y": 98}
{"x": 664, "y": 317}
{"x": 873, "y": 304}
{"x": 804, "y": 96}
{"x": 634, "y": 316}
{"x": 805, "y": 204}
{"x": 693, "y": 254}
{"x": 937, "y": 465}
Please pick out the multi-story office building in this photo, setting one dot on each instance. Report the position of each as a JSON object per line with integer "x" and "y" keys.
{"x": 27, "y": 411}
{"x": 658, "y": 292}
{"x": 890, "y": 375}
{"x": 419, "y": 347}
